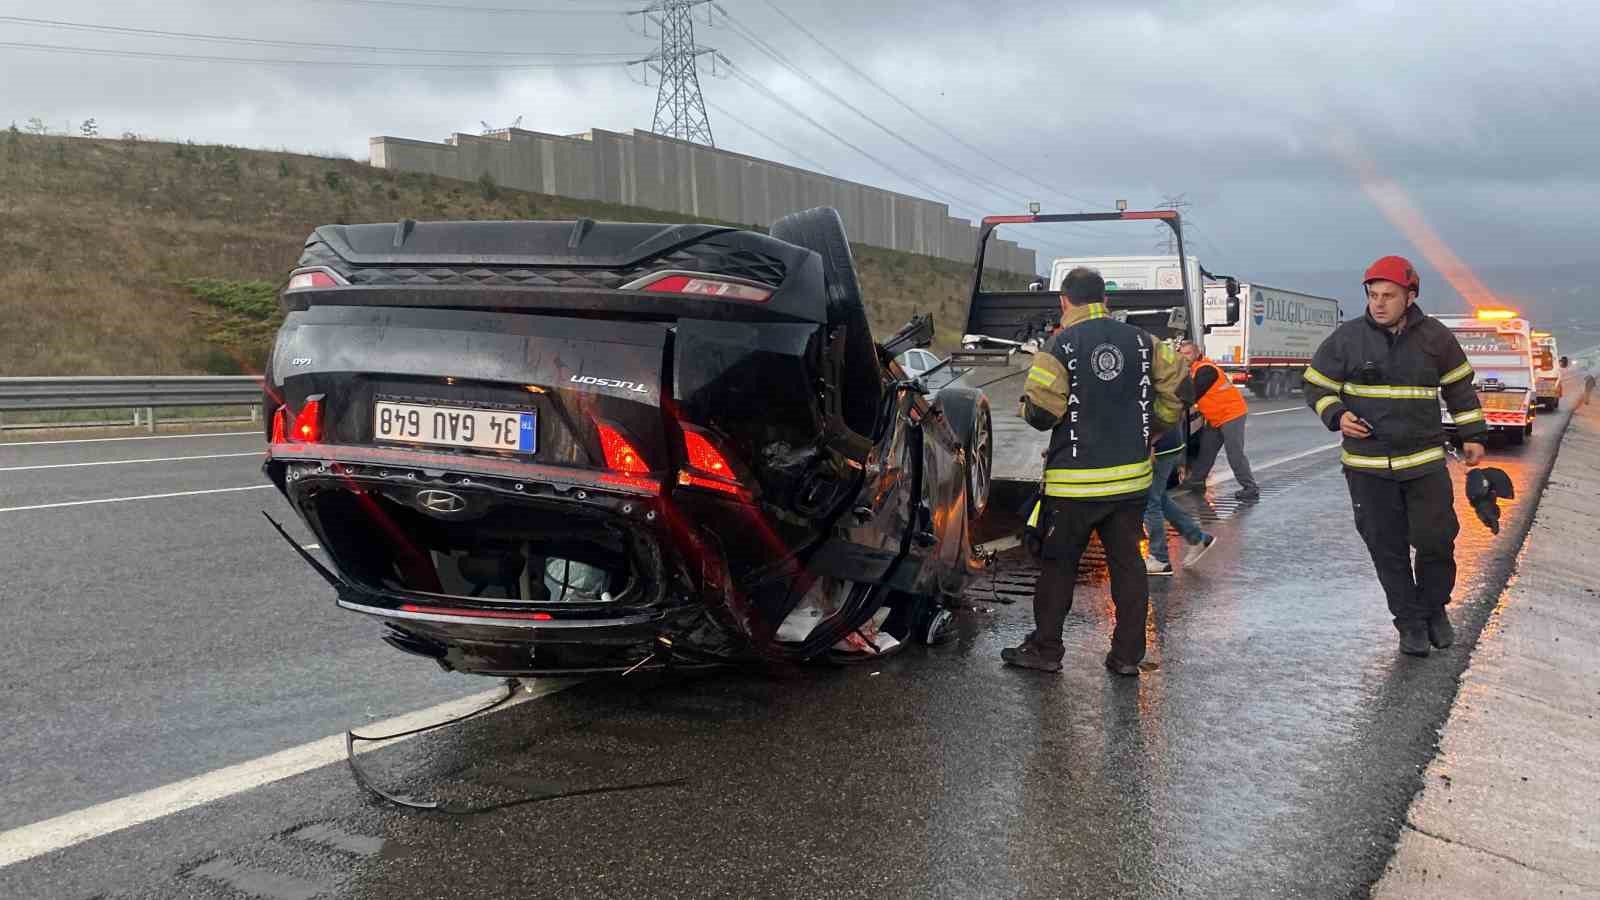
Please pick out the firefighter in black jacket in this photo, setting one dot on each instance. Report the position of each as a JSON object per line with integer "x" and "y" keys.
{"x": 1105, "y": 390}
{"x": 1378, "y": 380}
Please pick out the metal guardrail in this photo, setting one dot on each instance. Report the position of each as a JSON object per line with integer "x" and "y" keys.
{"x": 129, "y": 392}
{"x": 138, "y": 392}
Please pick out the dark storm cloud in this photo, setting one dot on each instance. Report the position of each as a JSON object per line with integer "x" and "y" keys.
{"x": 1483, "y": 115}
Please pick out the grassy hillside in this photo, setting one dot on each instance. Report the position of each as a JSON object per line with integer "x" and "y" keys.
{"x": 140, "y": 257}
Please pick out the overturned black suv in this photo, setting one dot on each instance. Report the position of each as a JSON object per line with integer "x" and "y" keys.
{"x": 540, "y": 447}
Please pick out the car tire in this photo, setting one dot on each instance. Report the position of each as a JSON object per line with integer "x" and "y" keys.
{"x": 821, "y": 231}
{"x": 967, "y": 410}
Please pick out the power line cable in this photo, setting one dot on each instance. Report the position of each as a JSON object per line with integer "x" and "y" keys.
{"x": 498, "y": 10}
{"x": 313, "y": 45}
{"x": 767, "y": 136}
{"x": 926, "y": 119}
{"x": 979, "y": 209}
{"x": 777, "y": 56}
{"x": 335, "y": 63}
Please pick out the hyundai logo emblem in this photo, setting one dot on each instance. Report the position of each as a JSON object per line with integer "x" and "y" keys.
{"x": 441, "y": 501}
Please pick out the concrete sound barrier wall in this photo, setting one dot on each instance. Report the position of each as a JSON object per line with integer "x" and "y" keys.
{"x": 656, "y": 172}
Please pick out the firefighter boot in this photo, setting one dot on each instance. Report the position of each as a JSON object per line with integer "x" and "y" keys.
{"x": 1413, "y": 638}
{"x": 1441, "y": 633}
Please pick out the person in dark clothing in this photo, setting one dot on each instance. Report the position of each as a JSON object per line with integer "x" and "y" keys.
{"x": 1378, "y": 380}
{"x": 1105, "y": 391}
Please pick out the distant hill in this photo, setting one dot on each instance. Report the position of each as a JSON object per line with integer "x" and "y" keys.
{"x": 132, "y": 257}
{"x": 1563, "y": 299}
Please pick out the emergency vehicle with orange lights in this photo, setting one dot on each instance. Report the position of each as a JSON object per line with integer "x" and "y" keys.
{"x": 1499, "y": 345}
{"x": 1547, "y": 372}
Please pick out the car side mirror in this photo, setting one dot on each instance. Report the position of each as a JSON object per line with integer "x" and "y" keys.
{"x": 1565, "y": 362}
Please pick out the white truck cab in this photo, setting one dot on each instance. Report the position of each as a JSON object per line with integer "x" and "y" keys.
{"x": 1547, "y": 371}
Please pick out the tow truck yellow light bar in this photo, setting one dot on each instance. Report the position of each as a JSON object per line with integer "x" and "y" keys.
{"x": 1496, "y": 315}
{"x": 1541, "y": 334}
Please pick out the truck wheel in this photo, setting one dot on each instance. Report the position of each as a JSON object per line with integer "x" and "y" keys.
{"x": 1516, "y": 436}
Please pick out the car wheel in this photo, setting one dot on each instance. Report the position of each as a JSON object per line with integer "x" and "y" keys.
{"x": 967, "y": 411}
{"x": 937, "y": 628}
{"x": 821, "y": 231}
{"x": 980, "y": 463}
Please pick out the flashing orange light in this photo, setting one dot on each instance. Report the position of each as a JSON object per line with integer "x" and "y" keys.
{"x": 1541, "y": 334}
{"x": 1496, "y": 315}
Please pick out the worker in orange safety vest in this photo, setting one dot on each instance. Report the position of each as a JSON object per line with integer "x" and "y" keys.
{"x": 1224, "y": 410}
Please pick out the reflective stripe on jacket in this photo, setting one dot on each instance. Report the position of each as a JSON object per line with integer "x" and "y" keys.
{"x": 1103, "y": 388}
{"x": 1396, "y": 382}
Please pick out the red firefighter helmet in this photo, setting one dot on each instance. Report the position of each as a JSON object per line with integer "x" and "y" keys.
{"x": 1397, "y": 269}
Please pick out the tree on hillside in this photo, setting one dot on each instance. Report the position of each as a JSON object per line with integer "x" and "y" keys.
{"x": 36, "y": 126}
{"x": 89, "y": 128}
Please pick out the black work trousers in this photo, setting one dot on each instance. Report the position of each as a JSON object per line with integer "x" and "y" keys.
{"x": 1395, "y": 516}
{"x": 1068, "y": 526}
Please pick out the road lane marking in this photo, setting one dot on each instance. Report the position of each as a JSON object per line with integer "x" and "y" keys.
{"x": 253, "y": 487}
{"x": 28, "y": 841}
{"x": 142, "y": 437}
{"x": 1273, "y": 412}
{"x": 1283, "y": 460}
{"x": 127, "y": 462}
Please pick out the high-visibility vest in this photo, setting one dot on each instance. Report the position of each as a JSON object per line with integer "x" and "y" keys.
{"x": 1101, "y": 448}
{"x": 1223, "y": 403}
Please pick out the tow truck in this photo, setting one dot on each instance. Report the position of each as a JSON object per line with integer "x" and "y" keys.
{"x": 1006, "y": 327}
{"x": 1499, "y": 345}
{"x": 1548, "y": 374}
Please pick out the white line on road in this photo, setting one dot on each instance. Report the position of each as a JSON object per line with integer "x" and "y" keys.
{"x": 1275, "y": 463}
{"x": 253, "y": 487}
{"x": 142, "y": 437}
{"x": 1273, "y": 412}
{"x": 128, "y": 462}
{"x": 29, "y": 841}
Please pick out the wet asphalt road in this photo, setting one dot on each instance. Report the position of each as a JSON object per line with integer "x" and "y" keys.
{"x": 1272, "y": 754}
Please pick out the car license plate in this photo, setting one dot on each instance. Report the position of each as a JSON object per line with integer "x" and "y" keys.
{"x": 450, "y": 426}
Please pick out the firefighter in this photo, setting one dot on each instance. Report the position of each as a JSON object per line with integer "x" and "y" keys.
{"x": 1105, "y": 390}
{"x": 1377, "y": 380}
{"x": 1224, "y": 410}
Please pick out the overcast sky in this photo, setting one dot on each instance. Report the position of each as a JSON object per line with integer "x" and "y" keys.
{"x": 1280, "y": 121}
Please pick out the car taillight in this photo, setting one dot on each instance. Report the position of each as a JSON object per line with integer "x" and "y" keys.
{"x": 280, "y": 425}
{"x": 620, "y": 454}
{"x": 311, "y": 279}
{"x": 703, "y": 286}
{"x": 308, "y": 425}
{"x": 711, "y": 469}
